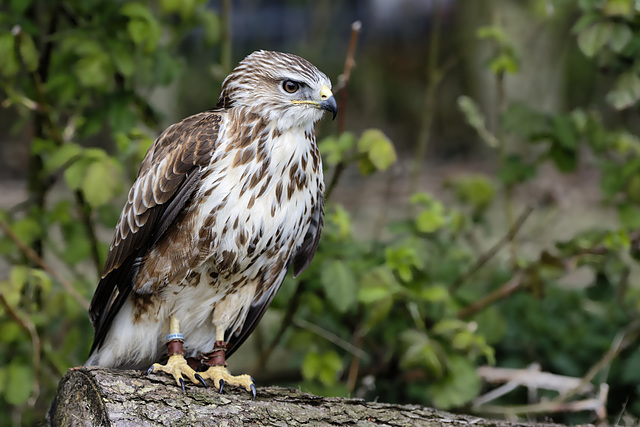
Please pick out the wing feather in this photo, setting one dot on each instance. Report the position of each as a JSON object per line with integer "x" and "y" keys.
{"x": 166, "y": 182}
{"x": 307, "y": 250}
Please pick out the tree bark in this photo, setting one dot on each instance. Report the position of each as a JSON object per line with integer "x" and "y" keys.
{"x": 92, "y": 396}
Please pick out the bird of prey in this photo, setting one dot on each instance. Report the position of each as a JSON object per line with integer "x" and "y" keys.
{"x": 224, "y": 203}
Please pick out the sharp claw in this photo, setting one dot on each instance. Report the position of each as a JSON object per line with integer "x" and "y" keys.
{"x": 182, "y": 384}
{"x": 221, "y": 385}
{"x": 199, "y": 378}
{"x": 253, "y": 390}
{"x": 150, "y": 370}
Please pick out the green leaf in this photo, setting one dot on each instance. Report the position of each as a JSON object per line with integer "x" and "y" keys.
{"x": 377, "y": 284}
{"x": 593, "y": 38}
{"x": 476, "y": 190}
{"x": 211, "y": 24}
{"x": 476, "y": 119}
{"x": 422, "y": 199}
{"x": 171, "y": 6}
{"x": 61, "y": 156}
{"x": 28, "y": 52}
{"x": 564, "y": 131}
{"x": 618, "y": 8}
{"x": 620, "y": 37}
{"x": 339, "y": 284}
{"x": 27, "y": 229}
{"x": 513, "y": 170}
{"x": 142, "y": 27}
{"x": 586, "y": 20}
{"x": 403, "y": 259}
{"x": 122, "y": 58}
{"x": 310, "y": 366}
{"x": 629, "y": 215}
{"x": 492, "y": 324}
{"x": 324, "y": 367}
{"x": 20, "y": 382}
{"x": 334, "y": 149}
{"x": 611, "y": 181}
{"x": 434, "y": 294}
{"x": 74, "y": 174}
{"x": 3, "y": 369}
{"x": 101, "y": 182}
{"x": 94, "y": 71}
{"x": 504, "y": 63}
{"x": 330, "y": 368}
{"x": 339, "y": 223}
{"x": 430, "y": 220}
{"x": 18, "y": 276}
{"x": 566, "y": 160}
{"x": 18, "y": 7}
{"x": 41, "y": 280}
{"x": 121, "y": 117}
{"x": 419, "y": 351}
{"x": 626, "y": 91}
{"x": 492, "y": 32}
{"x": 378, "y": 311}
{"x": 9, "y": 65}
{"x": 447, "y": 326}
{"x": 378, "y": 149}
{"x": 459, "y": 386}
{"x": 523, "y": 120}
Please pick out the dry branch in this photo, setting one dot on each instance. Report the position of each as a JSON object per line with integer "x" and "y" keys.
{"x": 102, "y": 397}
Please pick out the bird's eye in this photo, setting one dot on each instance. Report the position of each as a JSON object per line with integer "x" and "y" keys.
{"x": 290, "y": 86}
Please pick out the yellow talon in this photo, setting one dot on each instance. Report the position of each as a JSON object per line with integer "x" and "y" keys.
{"x": 176, "y": 366}
{"x": 221, "y": 376}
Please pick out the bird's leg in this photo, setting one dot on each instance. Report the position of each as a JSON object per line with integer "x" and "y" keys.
{"x": 177, "y": 365}
{"x": 218, "y": 372}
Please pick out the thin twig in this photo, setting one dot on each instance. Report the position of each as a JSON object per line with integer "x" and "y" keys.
{"x": 492, "y": 251}
{"x": 501, "y": 97}
{"x": 330, "y": 336}
{"x": 502, "y": 292}
{"x": 434, "y": 77}
{"x": 35, "y": 258}
{"x": 342, "y": 102}
{"x": 354, "y": 366}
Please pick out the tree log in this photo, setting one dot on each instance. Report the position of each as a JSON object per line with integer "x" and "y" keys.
{"x": 92, "y": 396}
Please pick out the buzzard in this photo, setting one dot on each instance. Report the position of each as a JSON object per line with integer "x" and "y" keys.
{"x": 225, "y": 201}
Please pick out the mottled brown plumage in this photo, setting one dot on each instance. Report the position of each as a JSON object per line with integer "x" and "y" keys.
{"x": 225, "y": 201}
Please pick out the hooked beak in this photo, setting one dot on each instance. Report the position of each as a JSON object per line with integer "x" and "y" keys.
{"x": 328, "y": 102}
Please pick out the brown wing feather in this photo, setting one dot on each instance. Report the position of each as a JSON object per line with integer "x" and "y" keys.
{"x": 168, "y": 177}
{"x": 307, "y": 250}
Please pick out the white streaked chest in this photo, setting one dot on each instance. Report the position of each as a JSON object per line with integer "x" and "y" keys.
{"x": 259, "y": 197}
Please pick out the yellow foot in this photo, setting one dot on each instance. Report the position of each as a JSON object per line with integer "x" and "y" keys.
{"x": 221, "y": 376}
{"x": 177, "y": 366}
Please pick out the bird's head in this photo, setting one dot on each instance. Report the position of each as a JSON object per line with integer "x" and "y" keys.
{"x": 285, "y": 89}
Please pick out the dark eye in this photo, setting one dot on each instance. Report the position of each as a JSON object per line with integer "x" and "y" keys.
{"x": 290, "y": 86}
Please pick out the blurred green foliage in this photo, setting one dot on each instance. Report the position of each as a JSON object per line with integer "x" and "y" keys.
{"x": 74, "y": 71}
{"x": 406, "y": 317}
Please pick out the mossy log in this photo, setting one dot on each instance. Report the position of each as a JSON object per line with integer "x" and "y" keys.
{"x": 105, "y": 397}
